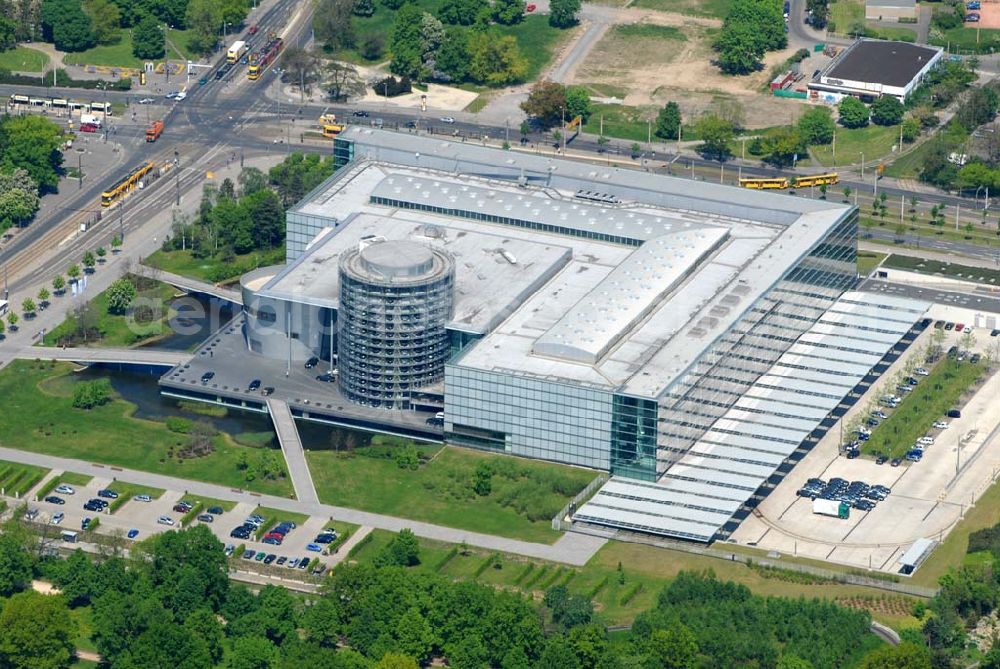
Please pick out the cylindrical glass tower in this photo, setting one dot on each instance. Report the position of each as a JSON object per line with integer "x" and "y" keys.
{"x": 395, "y": 301}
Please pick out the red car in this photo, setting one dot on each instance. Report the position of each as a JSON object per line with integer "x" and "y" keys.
{"x": 959, "y": 327}
{"x": 253, "y": 30}
{"x": 88, "y": 127}
{"x": 275, "y": 535}
{"x": 530, "y": 8}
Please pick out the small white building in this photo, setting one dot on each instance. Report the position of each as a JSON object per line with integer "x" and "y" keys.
{"x": 869, "y": 69}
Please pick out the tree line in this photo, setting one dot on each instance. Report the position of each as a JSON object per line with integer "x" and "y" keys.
{"x": 171, "y": 604}
{"x": 460, "y": 43}
{"x": 750, "y": 29}
{"x": 30, "y": 166}
{"x": 78, "y": 25}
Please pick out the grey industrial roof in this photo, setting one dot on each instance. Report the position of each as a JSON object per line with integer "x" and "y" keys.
{"x": 743, "y": 449}
{"x": 882, "y": 62}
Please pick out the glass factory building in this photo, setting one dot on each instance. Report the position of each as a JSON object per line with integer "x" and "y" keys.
{"x": 688, "y": 338}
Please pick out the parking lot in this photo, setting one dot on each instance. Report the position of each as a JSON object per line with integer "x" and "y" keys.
{"x": 142, "y": 516}
{"x": 928, "y": 497}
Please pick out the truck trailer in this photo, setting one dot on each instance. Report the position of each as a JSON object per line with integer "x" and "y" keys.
{"x": 236, "y": 51}
{"x": 832, "y": 507}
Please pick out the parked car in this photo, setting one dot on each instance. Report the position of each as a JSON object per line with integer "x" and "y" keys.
{"x": 182, "y": 507}
{"x": 52, "y": 499}
{"x": 920, "y": 371}
{"x": 281, "y": 560}
{"x": 260, "y": 557}
{"x": 270, "y": 558}
{"x": 254, "y": 385}
{"x": 311, "y": 362}
{"x": 994, "y": 333}
{"x": 229, "y": 549}
{"x": 530, "y": 8}
{"x": 215, "y": 510}
{"x": 58, "y": 518}
{"x": 303, "y": 563}
{"x": 206, "y": 518}
{"x": 327, "y": 377}
{"x": 881, "y": 460}
{"x": 864, "y": 505}
{"x": 972, "y": 5}
{"x": 941, "y": 424}
{"x": 272, "y": 541}
{"x": 268, "y": 391}
{"x": 895, "y": 462}
{"x": 972, "y": 18}
{"x": 447, "y": 119}
{"x": 954, "y": 413}
{"x": 914, "y": 455}
{"x": 207, "y": 376}
{"x": 143, "y": 498}
{"x": 248, "y": 555}
{"x": 85, "y": 523}
{"x": 110, "y": 494}
{"x": 133, "y": 533}
{"x": 65, "y": 490}
{"x": 165, "y": 520}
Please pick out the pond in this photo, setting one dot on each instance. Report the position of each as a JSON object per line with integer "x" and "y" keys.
{"x": 198, "y": 316}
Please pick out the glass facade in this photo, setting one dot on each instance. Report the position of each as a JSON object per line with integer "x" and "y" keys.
{"x": 750, "y": 348}
{"x": 391, "y": 335}
{"x": 633, "y": 438}
{"x": 530, "y": 417}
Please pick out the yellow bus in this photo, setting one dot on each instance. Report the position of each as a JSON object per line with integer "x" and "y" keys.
{"x": 828, "y": 179}
{"x": 125, "y": 184}
{"x": 765, "y": 183}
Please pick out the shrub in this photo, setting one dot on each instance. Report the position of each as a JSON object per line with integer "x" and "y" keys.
{"x": 391, "y": 86}
{"x": 90, "y": 394}
{"x": 178, "y": 424}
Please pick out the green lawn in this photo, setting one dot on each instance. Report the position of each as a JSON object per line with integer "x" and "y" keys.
{"x": 117, "y": 330}
{"x": 964, "y": 40}
{"x": 869, "y": 260}
{"x": 938, "y": 268}
{"x": 119, "y": 54}
{"x": 646, "y": 571}
{"x": 537, "y": 40}
{"x": 890, "y": 33}
{"x": 83, "y": 615}
{"x": 213, "y": 269}
{"x": 708, "y": 8}
{"x": 440, "y": 491}
{"x": 17, "y": 479}
{"x": 39, "y": 417}
{"x": 875, "y": 141}
{"x": 23, "y": 59}
{"x": 908, "y": 165}
{"x": 846, "y": 13}
{"x": 928, "y": 402}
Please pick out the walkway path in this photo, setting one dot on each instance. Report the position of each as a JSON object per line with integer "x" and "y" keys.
{"x": 111, "y": 355}
{"x": 351, "y": 542}
{"x": 291, "y": 446}
{"x": 194, "y": 285}
{"x": 572, "y": 548}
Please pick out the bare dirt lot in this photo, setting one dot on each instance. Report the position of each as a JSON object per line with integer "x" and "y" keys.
{"x": 989, "y": 15}
{"x": 659, "y": 57}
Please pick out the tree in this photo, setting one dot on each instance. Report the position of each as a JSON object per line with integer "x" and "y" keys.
{"x": 3, "y": 328}
{"x": 73, "y": 273}
{"x": 558, "y": 654}
{"x": 89, "y": 261}
{"x": 12, "y": 320}
{"x": 674, "y": 647}
{"x": 120, "y": 296}
{"x": 59, "y": 284}
{"x": 783, "y": 146}
{"x": 495, "y": 60}
{"x": 148, "y": 39}
{"x": 68, "y": 26}
{"x": 562, "y": 13}
{"x": 431, "y": 37}
{"x": 793, "y": 662}
{"x": 206, "y": 625}
{"x": 578, "y": 103}
{"x": 15, "y": 565}
{"x": 252, "y": 653}
{"x": 90, "y": 394}
{"x": 546, "y": 103}
{"x": 342, "y": 81}
{"x": 483, "y": 479}
{"x": 461, "y": 12}
{"x": 32, "y": 143}
{"x": 203, "y": 17}
{"x": 8, "y": 34}
{"x": 406, "y": 42}
{"x": 168, "y": 644}
{"x": 28, "y": 307}
{"x": 105, "y": 19}
{"x": 816, "y": 126}
{"x": 43, "y": 297}
{"x": 18, "y": 198}
{"x": 852, "y": 113}
{"x": 36, "y": 632}
{"x": 301, "y": 68}
{"x": 740, "y": 48}
{"x": 715, "y": 134}
{"x": 906, "y": 655}
{"x": 887, "y": 110}
{"x": 453, "y": 56}
{"x": 396, "y": 661}
{"x": 76, "y": 578}
{"x": 332, "y": 24}
{"x": 364, "y": 7}
{"x": 415, "y": 636}
{"x": 251, "y": 180}
{"x": 668, "y": 121}
{"x": 402, "y": 551}
{"x": 508, "y": 12}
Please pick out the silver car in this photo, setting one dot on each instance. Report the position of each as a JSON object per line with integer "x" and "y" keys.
{"x": 165, "y": 520}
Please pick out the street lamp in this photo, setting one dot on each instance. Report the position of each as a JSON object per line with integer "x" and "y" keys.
{"x": 177, "y": 176}
{"x": 225, "y": 34}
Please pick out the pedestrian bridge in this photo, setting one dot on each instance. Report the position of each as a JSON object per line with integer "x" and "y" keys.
{"x": 91, "y": 356}
{"x": 190, "y": 285}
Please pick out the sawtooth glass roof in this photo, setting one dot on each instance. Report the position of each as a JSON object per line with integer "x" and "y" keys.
{"x": 744, "y": 448}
